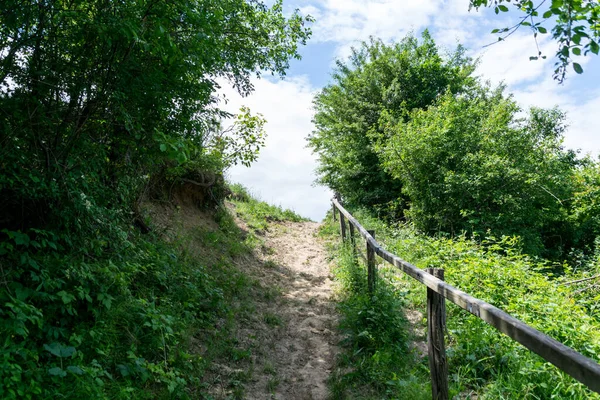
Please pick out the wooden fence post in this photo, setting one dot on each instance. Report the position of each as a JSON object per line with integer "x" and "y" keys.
{"x": 334, "y": 212}
{"x": 352, "y": 238}
{"x": 343, "y": 227}
{"x": 371, "y": 271}
{"x": 338, "y": 197}
{"x": 436, "y": 320}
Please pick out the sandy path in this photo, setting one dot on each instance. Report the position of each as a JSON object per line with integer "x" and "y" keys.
{"x": 302, "y": 349}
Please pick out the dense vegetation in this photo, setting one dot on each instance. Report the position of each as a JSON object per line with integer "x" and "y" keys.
{"x": 105, "y": 105}
{"x": 414, "y": 136}
{"x": 452, "y": 173}
{"x": 378, "y": 78}
{"x": 378, "y": 361}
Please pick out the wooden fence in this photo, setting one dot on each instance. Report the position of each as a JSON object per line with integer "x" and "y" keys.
{"x": 585, "y": 370}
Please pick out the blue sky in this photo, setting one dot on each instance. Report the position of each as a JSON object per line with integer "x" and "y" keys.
{"x": 284, "y": 173}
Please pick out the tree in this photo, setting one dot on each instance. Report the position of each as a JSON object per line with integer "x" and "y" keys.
{"x": 469, "y": 164}
{"x": 95, "y": 95}
{"x": 398, "y": 78}
{"x": 575, "y": 27}
{"x": 585, "y": 210}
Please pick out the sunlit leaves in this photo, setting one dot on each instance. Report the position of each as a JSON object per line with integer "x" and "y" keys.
{"x": 469, "y": 164}
{"x": 377, "y": 77}
{"x": 573, "y": 24}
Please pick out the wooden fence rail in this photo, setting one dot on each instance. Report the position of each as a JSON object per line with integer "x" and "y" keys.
{"x": 584, "y": 369}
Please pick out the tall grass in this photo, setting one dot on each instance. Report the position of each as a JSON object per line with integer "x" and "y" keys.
{"x": 377, "y": 361}
{"x": 257, "y": 213}
{"x": 482, "y": 360}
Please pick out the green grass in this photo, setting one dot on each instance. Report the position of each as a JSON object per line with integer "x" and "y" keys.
{"x": 482, "y": 360}
{"x": 258, "y": 214}
{"x": 376, "y": 361}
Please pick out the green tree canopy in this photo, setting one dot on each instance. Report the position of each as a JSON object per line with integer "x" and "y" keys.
{"x": 96, "y": 95}
{"x": 469, "y": 163}
{"x": 398, "y": 78}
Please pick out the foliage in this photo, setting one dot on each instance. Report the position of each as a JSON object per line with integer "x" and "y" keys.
{"x": 240, "y": 142}
{"x": 585, "y": 211}
{"x": 257, "y": 214}
{"x": 468, "y": 163}
{"x": 413, "y": 136}
{"x": 98, "y": 95}
{"x": 575, "y": 27}
{"x": 99, "y": 100}
{"x": 375, "y": 338}
{"x": 110, "y": 328}
{"x": 482, "y": 360}
{"x": 376, "y": 77}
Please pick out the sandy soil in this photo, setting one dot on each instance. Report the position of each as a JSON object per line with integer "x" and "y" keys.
{"x": 298, "y": 354}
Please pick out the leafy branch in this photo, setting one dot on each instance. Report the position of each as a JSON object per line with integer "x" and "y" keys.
{"x": 576, "y": 28}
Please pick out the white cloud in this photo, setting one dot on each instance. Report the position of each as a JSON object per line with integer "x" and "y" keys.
{"x": 348, "y": 21}
{"x": 283, "y": 175}
{"x": 508, "y": 61}
{"x": 582, "y": 132}
{"x": 581, "y": 107}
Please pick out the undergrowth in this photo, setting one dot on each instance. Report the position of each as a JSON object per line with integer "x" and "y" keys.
{"x": 144, "y": 320}
{"x": 377, "y": 361}
{"x": 483, "y": 362}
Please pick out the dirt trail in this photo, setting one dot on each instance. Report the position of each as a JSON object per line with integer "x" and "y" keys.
{"x": 298, "y": 351}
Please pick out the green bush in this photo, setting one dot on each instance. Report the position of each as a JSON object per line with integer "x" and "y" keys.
{"x": 397, "y": 77}
{"x": 469, "y": 164}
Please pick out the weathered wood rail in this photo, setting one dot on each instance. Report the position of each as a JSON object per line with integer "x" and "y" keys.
{"x": 580, "y": 367}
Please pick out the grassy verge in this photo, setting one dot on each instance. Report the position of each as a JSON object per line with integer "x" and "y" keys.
{"x": 145, "y": 317}
{"x": 377, "y": 360}
{"x": 257, "y": 214}
{"x": 482, "y": 361}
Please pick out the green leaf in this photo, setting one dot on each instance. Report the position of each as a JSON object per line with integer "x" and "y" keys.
{"x": 576, "y": 51}
{"x": 547, "y": 14}
{"x": 57, "y": 371}
{"x": 75, "y": 370}
{"x": 594, "y": 47}
{"x": 163, "y": 147}
{"x": 60, "y": 350}
{"x": 503, "y": 8}
{"x": 21, "y": 239}
{"x": 541, "y": 29}
{"x": 577, "y": 68}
